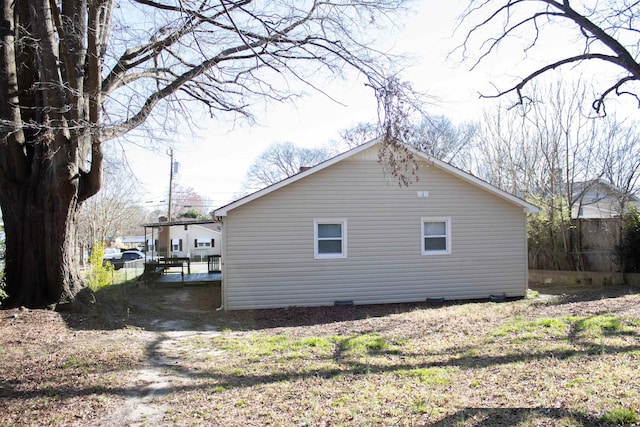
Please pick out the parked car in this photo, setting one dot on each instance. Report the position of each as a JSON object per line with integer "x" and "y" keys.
{"x": 110, "y": 253}
{"x": 126, "y": 256}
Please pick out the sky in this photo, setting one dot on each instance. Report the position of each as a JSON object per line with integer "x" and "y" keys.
{"x": 215, "y": 158}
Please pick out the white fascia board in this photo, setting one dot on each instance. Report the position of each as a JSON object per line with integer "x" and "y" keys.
{"x": 222, "y": 212}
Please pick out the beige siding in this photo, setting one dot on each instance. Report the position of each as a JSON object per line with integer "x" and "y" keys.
{"x": 269, "y": 242}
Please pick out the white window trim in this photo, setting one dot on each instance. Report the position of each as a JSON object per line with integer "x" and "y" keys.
{"x": 447, "y": 221}
{"x": 341, "y": 221}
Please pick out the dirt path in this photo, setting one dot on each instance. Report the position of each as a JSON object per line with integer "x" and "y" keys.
{"x": 182, "y": 321}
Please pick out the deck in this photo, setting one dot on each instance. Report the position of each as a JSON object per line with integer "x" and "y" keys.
{"x": 177, "y": 276}
{"x": 193, "y": 279}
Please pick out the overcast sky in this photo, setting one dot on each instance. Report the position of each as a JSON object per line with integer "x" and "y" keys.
{"x": 214, "y": 158}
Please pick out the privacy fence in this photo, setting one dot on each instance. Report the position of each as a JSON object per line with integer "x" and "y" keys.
{"x": 583, "y": 245}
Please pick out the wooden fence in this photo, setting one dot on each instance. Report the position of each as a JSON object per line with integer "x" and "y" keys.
{"x": 590, "y": 246}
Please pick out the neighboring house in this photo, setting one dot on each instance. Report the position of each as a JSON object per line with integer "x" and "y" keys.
{"x": 599, "y": 199}
{"x": 195, "y": 239}
{"x": 345, "y": 232}
{"x": 131, "y": 242}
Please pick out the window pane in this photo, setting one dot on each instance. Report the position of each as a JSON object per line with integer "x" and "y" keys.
{"x": 329, "y": 246}
{"x": 435, "y": 244}
{"x": 435, "y": 228}
{"x": 329, "y": 230}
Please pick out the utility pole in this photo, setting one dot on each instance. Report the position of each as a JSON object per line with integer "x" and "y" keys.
{"x": 170, "y": 153}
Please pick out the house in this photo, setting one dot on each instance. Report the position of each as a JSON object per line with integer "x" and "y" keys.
{"x": 597, "y": 226}
{"x": 131, "y": 242}
{"x": 599, "y": 199}
{"x": 345, "y": 232}
{"x": 195, "y": 239}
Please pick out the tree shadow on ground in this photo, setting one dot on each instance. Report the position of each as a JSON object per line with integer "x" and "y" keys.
{"x": 346, "y": 367}
{"x": 197, "y": 308}
{"x": 193, "y": 309}
{"x": 564, "y": 294}
{"x": 493, "y": 417}
{"x": 341, "y": 363}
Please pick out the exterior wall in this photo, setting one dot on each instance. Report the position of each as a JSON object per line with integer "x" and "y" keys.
{"x": 594, "y": 210}
{"x": 601, "y": 201}
{"x": 268, "y": 258}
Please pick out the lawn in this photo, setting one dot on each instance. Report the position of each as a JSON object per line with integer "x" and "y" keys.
{"x": 166, "y": 357}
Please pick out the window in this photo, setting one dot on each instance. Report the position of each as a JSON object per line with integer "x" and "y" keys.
{"x": 330, "y": 238}
{"x": 176, "y": 245}
{"x": 199, "y": 243}
{"x": 436, "y": 236}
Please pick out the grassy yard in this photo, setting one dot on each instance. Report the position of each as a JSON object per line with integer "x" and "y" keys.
{"x": 557, "y": 360}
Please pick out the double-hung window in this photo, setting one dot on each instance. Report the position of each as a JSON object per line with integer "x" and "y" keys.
{"x": 436, "y": 236}
{"x": 204, "y": 243}
{"x": 330, "y": 238}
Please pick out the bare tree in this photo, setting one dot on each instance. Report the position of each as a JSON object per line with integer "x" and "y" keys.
{"x": 502, "y": 157}
{"x": 281, "y": 161}
{"x": 548, "y": 151}
{"x": 78, "y": 73}
{"x": 439, "y": 137}
{"x": 353, "y": 136}
{"x": 113, "y": 212}
{"x": 186, "y": 199}
{"x": 604, "y": 32}
{"x": 620, "y": 162}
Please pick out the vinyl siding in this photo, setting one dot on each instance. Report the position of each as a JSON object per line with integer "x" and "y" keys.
{"x": 269, "y": 242}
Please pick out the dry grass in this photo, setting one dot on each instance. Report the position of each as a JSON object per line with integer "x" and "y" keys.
{"x": 569, "y": 359}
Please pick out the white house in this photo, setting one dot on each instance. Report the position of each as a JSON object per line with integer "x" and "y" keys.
{"x": 195, "y": 239}
{"x": 345, "y": 232}
{"x": 599, "y": 199}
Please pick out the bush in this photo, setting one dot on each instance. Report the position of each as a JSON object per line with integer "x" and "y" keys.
{"x": 99, "y": 275}
{"x": 628, "y": 251}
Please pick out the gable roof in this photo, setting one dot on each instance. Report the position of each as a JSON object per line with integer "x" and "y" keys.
{"x": 224, "y": 210}
{"x": 598, "y": 189}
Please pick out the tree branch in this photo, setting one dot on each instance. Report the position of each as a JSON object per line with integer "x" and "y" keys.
{"x": 91, "y": 182}
{"x": 517, "y": 15}
{"x": 538, "y": 72}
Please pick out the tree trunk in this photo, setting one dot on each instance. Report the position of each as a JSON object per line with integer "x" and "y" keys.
{"x": 49, "y": 112}
{"x": 40, "y": 217}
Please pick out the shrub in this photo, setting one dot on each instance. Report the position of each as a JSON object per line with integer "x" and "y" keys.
{"x": 629, "y": 248}
{"x": 99, "y": 275}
